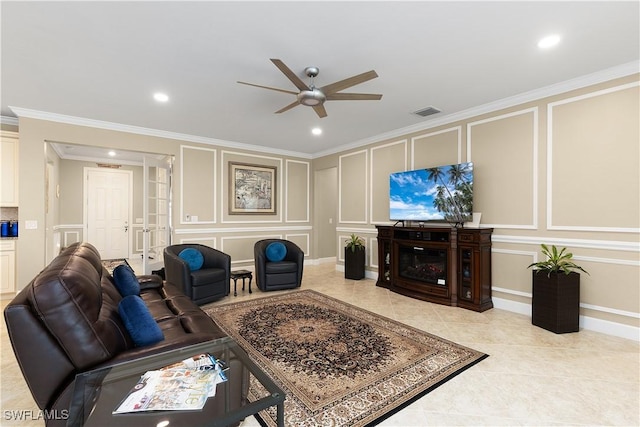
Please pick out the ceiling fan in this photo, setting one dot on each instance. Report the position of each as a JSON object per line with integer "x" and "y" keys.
{"x": 315, "y": 97}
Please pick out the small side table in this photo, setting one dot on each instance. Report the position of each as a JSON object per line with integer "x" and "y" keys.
{"x": 241, "y": 274}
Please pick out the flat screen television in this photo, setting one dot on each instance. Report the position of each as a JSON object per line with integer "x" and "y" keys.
{"x": 443, "y": 193}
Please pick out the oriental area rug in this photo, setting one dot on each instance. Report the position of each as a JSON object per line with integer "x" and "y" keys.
{"x": 338, "y": 364}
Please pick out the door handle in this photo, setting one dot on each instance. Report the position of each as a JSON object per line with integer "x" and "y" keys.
{"x": 126, "y": 228}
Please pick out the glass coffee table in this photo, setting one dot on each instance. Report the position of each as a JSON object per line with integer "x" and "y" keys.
{"x": 98, "y": 393}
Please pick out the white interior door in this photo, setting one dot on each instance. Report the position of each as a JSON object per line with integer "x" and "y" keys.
{"x": 156, "y": 211}
{"x": 107, "y": 213}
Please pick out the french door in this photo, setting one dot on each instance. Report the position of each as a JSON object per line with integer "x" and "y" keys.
{"x": 156, "y": 211}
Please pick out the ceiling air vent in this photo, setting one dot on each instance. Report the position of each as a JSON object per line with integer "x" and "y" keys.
{"x": 427, "y": 111}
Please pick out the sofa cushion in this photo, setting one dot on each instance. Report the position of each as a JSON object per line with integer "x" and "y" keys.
{"x": 138, "y": 320}
{"x": 192, "y": 257}
{"x": 276, "y": 251}
{"x": 126, "y": 281}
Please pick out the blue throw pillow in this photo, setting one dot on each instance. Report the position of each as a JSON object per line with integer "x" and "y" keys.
{"x": 193, "y": 257}
{"x": 276, "y": 251}
{"x": 138, "y": 320}
{"x": 126, "y": 281}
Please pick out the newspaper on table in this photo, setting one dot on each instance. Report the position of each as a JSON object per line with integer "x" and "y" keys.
{"x": 184, "y": 385}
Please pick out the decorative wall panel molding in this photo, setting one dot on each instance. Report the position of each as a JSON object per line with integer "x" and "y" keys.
{"x": 583, "y": 134}
{"x": 385, "y": 159}
{"x": 298, "y": 191}
{"x": 417, "y": 141}
{"x": 193, "y": 197}
{"x": 352, "y": 187}
{"x": 515, "y": 178}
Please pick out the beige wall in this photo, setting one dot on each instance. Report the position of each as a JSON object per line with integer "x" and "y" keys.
{"x": 200, "y": 188}
{"x": 562, "y": 170}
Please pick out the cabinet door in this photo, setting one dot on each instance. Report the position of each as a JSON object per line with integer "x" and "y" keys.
{"x": 465, "y": 277}
{"x": 9, "y": 171}
{"x": 7, "y": 271}
{"x": 384, "y": 262}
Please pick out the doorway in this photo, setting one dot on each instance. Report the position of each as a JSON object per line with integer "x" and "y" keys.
{"x": 146, "y": 225}
{"x": 325, "y": 190}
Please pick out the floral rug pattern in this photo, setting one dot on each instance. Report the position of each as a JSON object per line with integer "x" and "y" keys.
{"x": 338, "y": 364}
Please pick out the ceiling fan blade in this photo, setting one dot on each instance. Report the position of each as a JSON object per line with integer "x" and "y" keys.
{"x": 290, "y": 74}
{"x": 320, "y": 111}
{"x": 270, "y": 88}
{"x": 346, "y": 83}
{"x": 354, "y": 97}
{"x": 288, "y": 107}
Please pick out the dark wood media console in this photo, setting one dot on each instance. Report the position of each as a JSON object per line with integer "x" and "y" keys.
{"x": 450, "y": 266}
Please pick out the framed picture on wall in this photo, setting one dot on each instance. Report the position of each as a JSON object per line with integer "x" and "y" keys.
{"x": 252, "y": 189}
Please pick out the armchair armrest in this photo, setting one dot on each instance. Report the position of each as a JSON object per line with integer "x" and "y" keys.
{"x": 177, "y": 271}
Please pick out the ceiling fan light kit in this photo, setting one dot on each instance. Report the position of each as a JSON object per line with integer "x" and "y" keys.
{"x": 312, "y": 96}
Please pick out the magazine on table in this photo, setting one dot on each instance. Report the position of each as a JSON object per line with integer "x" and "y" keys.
{"x": 184, "y": 385}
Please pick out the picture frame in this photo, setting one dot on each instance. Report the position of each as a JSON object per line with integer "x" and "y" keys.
{"x": 252, "y": 189}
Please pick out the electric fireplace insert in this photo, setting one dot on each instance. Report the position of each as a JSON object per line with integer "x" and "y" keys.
{"x": 428, "y": 265}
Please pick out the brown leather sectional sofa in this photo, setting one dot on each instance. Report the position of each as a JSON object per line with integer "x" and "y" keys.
{"x": 66, "y": 321}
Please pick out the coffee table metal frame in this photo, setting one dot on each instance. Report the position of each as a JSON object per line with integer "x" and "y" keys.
{"x": 90, "y": 386}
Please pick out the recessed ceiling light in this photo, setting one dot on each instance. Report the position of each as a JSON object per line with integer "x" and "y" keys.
{"x": 316, "y": 131}
{"x": 161, "y": 97}
{"x": 549, "y": 41}
{"x": 112, "y": 153}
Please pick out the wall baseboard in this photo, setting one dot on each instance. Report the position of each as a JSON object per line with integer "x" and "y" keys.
{"x": 328, "y": 260}
{"x": 586, "y": 322}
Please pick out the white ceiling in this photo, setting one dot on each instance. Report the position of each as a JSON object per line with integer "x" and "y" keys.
{"x": 103, "y": 61}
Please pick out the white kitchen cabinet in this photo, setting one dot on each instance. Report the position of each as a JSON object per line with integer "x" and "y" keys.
{"x": 7, "y": 268}
{"x": 9, "y": 169}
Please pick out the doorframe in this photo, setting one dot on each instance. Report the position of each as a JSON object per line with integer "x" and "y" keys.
{"x": 85, "y": 202}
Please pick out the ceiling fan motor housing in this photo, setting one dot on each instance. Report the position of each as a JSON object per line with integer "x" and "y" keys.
{"x": 311, "y": 97}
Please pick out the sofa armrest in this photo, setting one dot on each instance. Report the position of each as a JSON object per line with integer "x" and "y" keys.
{"x": 150, "y": 281}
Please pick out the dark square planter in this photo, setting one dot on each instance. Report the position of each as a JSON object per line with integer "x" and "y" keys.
{"x": 556, "y": 302}
{"x": 354, "y": 264}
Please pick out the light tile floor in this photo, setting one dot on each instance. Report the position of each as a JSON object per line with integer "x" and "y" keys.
{"x": 532, "y": 377}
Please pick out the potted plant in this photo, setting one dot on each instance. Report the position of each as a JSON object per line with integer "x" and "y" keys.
{"x": 556, "y": 291}
{"x": 354, "y": 258}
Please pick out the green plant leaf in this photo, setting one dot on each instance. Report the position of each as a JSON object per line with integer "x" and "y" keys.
{"x": 556, "y": 261}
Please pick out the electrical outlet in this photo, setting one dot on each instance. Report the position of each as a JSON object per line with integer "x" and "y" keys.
{"x": 187, "y": 217}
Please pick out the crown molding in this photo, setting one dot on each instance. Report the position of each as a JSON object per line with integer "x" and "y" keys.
{"x": 138, "y": 130}
{"x": 8, "y": 120}
{"x": 608, "y": 74}
{"x": 551, "y": 90}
